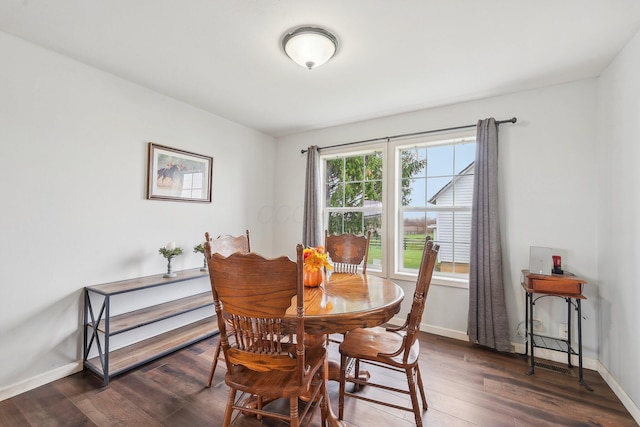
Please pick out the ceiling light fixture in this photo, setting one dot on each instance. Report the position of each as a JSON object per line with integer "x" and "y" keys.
{"x": 310, "y": 47}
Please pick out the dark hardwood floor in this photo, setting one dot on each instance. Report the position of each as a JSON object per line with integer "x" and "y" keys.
{"x": 466, "y": 385}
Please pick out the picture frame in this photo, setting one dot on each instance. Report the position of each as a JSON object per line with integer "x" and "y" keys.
{"x": 179, "y": 175}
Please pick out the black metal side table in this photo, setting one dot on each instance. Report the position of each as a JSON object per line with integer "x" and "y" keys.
{"x": 568, "y": 287}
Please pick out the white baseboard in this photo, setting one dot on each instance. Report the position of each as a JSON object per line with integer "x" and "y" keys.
{"x": 39, "y": 380}
{"x": 633, "y": 409}
{"x": 450, "y": 333}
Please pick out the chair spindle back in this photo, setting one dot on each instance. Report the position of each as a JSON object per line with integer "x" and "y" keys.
{"x": 254, "y": 293}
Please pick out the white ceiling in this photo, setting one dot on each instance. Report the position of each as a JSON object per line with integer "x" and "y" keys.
{"x": 224, "y": 56}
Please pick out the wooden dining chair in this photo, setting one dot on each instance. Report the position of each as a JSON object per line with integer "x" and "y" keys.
{"x": 394, "y": 348}
{"x": 268, "y": 356}
{"x": 225, "y": 246}
{"x": 347, "y": 251}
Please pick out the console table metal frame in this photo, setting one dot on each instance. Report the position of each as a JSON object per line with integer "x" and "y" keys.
{"x": 552, "y": 343}
{"x": 98, "y": 321}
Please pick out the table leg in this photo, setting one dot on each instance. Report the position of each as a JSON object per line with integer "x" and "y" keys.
{"x": 579, "y": 308}
{"x": 329, "y": 371}
{"x": 530, "y": 308}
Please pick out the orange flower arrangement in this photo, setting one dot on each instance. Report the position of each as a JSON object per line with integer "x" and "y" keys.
{"x": 315, "y": 259}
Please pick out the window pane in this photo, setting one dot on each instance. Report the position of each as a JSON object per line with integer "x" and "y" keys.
{"x": 413, "y": 162}
{"x": 373, "y": 223}
{"x": 414, "y": 193}
{"x": 334, "y": 171}
{"x": 335, "y": 195}
{"x": 335, "y": 223}
{"x": 465, "y": 155}
{"x": 354, "y": 194}
{"x": 440, "y": 160}
{"x": 354, "y": 169}
{"x": 353, "y": 223}
{"x": 373, "y": 164}
{"x": 440, "y": 191}
{"x": 416, "y": 228}
{"x": 453, "y": 257}
{"x": 373, "y": 192}
{"x": 463, "y": 189}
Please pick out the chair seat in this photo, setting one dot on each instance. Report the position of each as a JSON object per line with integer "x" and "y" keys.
{"x": 275, "y": 384}
{"x": 369, "y": 343}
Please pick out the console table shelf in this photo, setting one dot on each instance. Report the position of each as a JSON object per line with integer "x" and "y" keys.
{"x": 137, "y": 354}
{"x": 127, "y": 321}
{"x": 552, "y": 343}
{"x": 100, "y": 325}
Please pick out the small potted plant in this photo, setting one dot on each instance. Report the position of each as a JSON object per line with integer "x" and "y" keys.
{"x": 169, "y": 251}
{"x": 199, "y": 249}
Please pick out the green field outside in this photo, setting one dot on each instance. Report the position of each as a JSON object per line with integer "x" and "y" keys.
{"x": 412, "y": 255}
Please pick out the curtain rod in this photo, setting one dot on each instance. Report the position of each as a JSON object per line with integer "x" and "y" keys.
{"x": 511, "y": 120}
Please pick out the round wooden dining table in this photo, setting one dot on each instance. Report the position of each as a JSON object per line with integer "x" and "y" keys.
{"x": 344, "y": 302}
{"x": 347, "y": 301}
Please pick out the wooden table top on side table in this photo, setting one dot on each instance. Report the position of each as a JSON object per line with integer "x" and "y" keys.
{"x": 345, "y": 302}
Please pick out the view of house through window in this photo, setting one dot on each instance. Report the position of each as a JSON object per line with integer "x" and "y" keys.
{"x": 435, "y": 197}
{"x": 430, "y": 185}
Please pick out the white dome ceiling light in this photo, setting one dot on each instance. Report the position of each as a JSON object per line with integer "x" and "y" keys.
{"x": 310, "y": 47}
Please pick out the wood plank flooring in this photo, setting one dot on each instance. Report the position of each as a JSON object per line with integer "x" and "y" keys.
{"x": 466, "y": 386}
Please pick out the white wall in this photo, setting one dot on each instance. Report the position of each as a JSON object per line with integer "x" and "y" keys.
{"x": 548, "y": 192}
{"x": 74, "y": 213}
{"x": 618, "y": 227}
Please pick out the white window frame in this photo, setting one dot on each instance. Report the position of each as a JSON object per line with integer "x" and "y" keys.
{"x": 359, "y": 150}
{"x": 395, "y": 173}
{"x": 391, "y": 209}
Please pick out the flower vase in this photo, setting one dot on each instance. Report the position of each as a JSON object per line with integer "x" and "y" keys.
{"x": 312, "y": 278}
{"x": 204, "y": 265}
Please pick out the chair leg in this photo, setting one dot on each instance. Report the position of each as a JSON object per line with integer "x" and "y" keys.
{"x": 414, "y": 397}
{"x": 229, "y": 409}
{"x": 425, "y": 406}
{"x": 259, "y": 405}
{"x": 343, "y": 380}
{"x": 214, "y": 363}
{"x": 356, "y": 374}
{"x": 293, "y": 412}
{"x": 324, "y": 403}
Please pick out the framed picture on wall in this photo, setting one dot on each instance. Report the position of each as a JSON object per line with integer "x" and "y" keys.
{"x": 178, "y": 175}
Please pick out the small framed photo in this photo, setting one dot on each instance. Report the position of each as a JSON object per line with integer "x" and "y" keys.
{"x": 178, "y": 175}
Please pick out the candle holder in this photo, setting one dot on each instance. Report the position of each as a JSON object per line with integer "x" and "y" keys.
{"x": 169, "y": 252}
{"x": 169, "y": 273}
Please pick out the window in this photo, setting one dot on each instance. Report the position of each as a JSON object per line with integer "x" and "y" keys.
{"x": 353, "y": 198}
{"x": 430, "y": 184}
{"x": 434, "y": 191}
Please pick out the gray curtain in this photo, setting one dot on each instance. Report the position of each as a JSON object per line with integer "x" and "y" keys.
{"x": 312, "y": 222}
{"x": 488, "y": 323}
